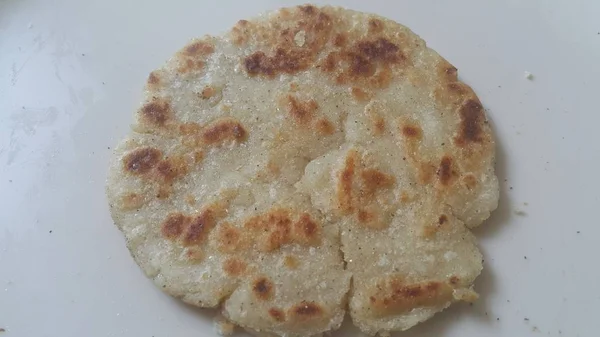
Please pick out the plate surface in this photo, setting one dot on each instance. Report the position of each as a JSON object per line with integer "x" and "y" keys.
{"x": 71, "y": 76}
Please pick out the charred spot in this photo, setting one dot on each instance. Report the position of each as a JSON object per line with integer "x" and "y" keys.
{"x": 234, "y": 267}
{"x": 472, "y": 118}
{"x": 156, "y": 112}
{"x": 412, "y": 132}
{"x": 198, "y": 228}
{"x": 380, "y": 49}
{"x": 446, "y": 172}
{"x": 222, "y": 130}
{"x": 443, "y": 219}
{"x": 142, "y": 160}
{"x": 173, "y": 226}
{"x": 199, "y": 48}
{"x": 277, "y": 314}
{"x": 262, "y": 288}
{"x": 301, "y": 112}
{"x": 325, "y": 127}
{"x": 375, "y": 26}
{"x": 307, "y": 310}
{"x": 306, "y": 230}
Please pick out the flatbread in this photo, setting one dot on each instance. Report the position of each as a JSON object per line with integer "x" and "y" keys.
{"x": 311, "y": 160}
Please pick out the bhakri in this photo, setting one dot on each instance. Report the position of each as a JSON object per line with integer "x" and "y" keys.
{"x": 311, "y": 161}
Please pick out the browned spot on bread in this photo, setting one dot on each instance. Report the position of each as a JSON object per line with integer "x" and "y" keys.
{"x": 189, "y": 65}
{"x": 306, "y": 310}
{"x": 375, "y": 26}
{"x": 229, "y": 239}
{"x": 153, "y": 80}
{"x": 240, "y": 32}
{"x": 447, "y": 71}
{"x": 431, "y": 229}
{"x": 291, "y": 262}
{"x": 271, "y": 230}
{"x": 131, "y": 201}
{"x": 373, "y": 180}
{"x": 290, "y": 55}
{"x": 442, "y": 219}
{"x": 378, "y": 124}
{"x": 345, "y": 182}
{"x": 301, "y": 111}
{"x": 262, "y": 288}
{"x": 156, "y": 113}
{"x": 367, "y": 63}
{"x": 190, "y": 200}
{"x": 224, "y": 129}
{"x": 454, "y": 280}
{"x": 425, "y": 172}
{"x": 366, "y": 216}
{"x": 471, "y": 128}
{"x": 194, "y": 255}
{"x": 234, "y": 267}
{"x": 360, "y": 95}
{"x": 190, "y": 128}
{"x": 198, "y": 48}
{"x": 470, "y": 181}
{"x": 173, "y": 226}
{"x": 324, "y": 127}
{"x": 396, "y": 297}
{"x": 170, "y": 168}
{"x": 142, "y": 160}
{"x": 198, "y": 156}
{"x": 306, "y": 231}
{"x": 308, "y": 9}
{"x": 412, "y": 132}
{"x": 340, "y": 40}
{"x": 199, "y": 226}
{"x": 446, "y": 172}
{"x": 208, "y": 92}
{"x": 277, "y": 314}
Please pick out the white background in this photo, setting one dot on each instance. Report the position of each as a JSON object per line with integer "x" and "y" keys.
{"x": 71, "y": 74}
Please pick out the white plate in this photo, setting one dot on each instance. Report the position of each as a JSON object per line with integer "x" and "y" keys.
{"x": 71, "y": 75}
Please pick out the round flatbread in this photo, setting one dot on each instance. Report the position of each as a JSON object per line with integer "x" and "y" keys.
{"x": 308, "y": 162}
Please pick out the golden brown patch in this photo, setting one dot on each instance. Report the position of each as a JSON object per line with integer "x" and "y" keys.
{"x": 198, "y": 48}
{"x": 234, "y": 267}
{"x": 375, "y": 26}
{"x": 360, "y": 95}
{"x": 471, "y": 125}
{"x": 412, "y": 132}
{"x": 240, "y": 32}
{"x": 131, "y": 201}
{"x": 306, "y": 231}
{"x": 378, "y": 124}
{"x": 262, "y": 288}
{"x": 224, "y": 129}
{"x": 142, "y": 160}
{"x": 170, "y": 168}
{"x": 366, "y": 216}
{"x": 345, "y": 182}
{"x": 366, "y": 63}
{"x": 190, "y": 128}
{"x": 289, "y": 54}
{"x": 189, "y": 65}
{"x": 156, "y": 113}
{"x": 173, "y": 226}
{"x": 198, "y": 156}
{"x": 229, "y": 239}
{"x": 470, "y": 181}
{"x": 306, "y": 310}
{"x": 425, "y": 172}
{"x": 396, "y": 297}
{"x": 291, "y": 262}
{"x": 301, "y": 111}
{"x": 324, "y": 127}
{"x": 153, "y": 80}
{"x": 373, "y": 180}
{"x": 340, "y": 40}
{"x": 271, "y": 230}
{"x": 199, "y": 226}
{"x": 208, "y": 92}
{"x": 446, "y": 172}
{"x": 277, "y": 314}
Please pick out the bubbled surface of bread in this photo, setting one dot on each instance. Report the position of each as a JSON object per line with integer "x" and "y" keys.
{"x": 309, "y": 162}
